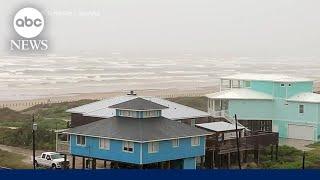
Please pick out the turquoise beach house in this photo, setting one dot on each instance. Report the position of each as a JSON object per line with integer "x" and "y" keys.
{"x": 269, "y": 102}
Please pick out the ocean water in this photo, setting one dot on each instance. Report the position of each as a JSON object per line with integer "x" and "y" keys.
{"x": 43, "y": 76}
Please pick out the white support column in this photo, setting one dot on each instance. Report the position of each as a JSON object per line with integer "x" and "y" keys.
{"x": 213, "y": 105}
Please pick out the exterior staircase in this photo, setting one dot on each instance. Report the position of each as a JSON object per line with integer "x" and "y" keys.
{"x": 225, "y": 114}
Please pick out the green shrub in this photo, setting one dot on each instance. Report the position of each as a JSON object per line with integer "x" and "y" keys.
{"x": 252, "y": 165}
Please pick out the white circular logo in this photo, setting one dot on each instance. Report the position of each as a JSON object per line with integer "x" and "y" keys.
{"x": 28, "y": 22}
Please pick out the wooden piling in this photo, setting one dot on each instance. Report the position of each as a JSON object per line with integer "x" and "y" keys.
{"x": 271, "y": 152}
{"x": 73, "y": 162}
{"x": 83, "y": 162}
{"x": 94, "y": 164}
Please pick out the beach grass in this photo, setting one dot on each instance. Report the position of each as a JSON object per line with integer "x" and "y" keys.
{"x": 52, "y": 116}
{"x": 200, "y": 103}
{"x": 48, "y": 116}
{"x": 291, "y": 158}
{"x": 15, "y": 125}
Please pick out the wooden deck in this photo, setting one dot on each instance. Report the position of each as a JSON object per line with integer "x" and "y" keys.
{"x": 249, "y": 141}
{"x": 218, "y": 153}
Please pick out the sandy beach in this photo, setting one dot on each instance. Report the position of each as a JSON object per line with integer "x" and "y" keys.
{"x": 163, "y": 93}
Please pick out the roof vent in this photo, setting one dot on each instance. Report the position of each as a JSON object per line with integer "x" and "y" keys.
{"x": 132, "y": 93}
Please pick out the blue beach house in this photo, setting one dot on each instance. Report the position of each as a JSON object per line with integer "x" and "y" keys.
{"x": 136, "y": 134}
{"x": 269, "y": 102}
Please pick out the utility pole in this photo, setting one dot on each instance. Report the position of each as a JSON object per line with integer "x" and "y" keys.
{"x": 34, "y": 128}
{"x": 303, "y": 159}
{"x": 237, "y": 136}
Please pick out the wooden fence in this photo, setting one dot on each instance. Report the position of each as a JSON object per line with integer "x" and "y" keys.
{"x": 23, "y": 104}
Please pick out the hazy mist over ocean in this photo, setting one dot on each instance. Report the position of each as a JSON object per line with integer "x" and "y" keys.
{"x": 101, "y": 46}
{"x": 34, "y": 77}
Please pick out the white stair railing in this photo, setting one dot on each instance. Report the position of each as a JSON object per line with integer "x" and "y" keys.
{"x": 225, "y": 114}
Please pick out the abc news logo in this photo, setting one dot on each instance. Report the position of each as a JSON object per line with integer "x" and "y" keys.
{"x": 28, "y": 23}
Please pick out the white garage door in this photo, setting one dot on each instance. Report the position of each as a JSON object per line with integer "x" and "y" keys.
{"x": 300, "y": 132}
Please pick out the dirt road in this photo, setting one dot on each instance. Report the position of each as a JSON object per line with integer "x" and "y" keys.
{"x": 27, "y": 153}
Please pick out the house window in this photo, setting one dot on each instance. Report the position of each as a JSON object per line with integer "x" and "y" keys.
{"x": 81, "y": 140}
{"x": 128, "y": 146}
{"x": 104, "y": 143}
{"x": 153, "y": 147}
{"x": 147, "y": 114}
{"x": 195, "y": 141}
{"x": 217, "y": 105}
{"x": 175, "y": 143}
{"x": 126, "y": 113}
{"x": 247, "y": 84}
{"x": 282, "y": 85}
{"x": 301, "y": 108}
{"x": 289, "y": 85}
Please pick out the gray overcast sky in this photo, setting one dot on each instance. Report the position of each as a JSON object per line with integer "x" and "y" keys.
{"x": 175, "y": 27}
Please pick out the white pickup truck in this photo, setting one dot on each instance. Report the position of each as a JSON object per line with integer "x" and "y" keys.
{"x": 52, "y": 160}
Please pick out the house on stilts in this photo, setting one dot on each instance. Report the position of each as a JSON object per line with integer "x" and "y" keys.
{"x": 269, "y": 102}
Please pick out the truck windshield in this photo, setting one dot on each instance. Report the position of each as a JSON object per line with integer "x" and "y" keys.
{"x": 56, "y": 156}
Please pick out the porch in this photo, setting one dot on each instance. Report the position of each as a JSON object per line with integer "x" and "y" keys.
{"x": 222, "y": 149}
{"x": 252, "y": 143}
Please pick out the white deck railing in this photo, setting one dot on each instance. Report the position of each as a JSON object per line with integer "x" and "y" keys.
{"x": 62, "y": 146}
{"x": 62, "y": 141}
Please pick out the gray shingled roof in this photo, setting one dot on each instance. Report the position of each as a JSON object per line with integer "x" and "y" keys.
{"x": 139, "y": 104}
{"x": 138, "y": 130}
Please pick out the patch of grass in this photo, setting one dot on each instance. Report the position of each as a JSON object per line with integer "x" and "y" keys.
{"x": 291, "y": 158}
{"x": 7, "y": 114}
{"x": 11, "y": 118}
{"x": 55, "y": 109}
{"x": 48, "y": 117}
{"x": 11, "y": 123}
{"x": 314, "y": 145}
{"x": 200, "y": 103}
{"x": 313, "y": 156}
{"x": 54, "y": 116}
{"x": 12, "y": 160}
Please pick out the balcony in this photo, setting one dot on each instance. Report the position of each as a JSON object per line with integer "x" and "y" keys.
{"x": 251, "y": 140}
